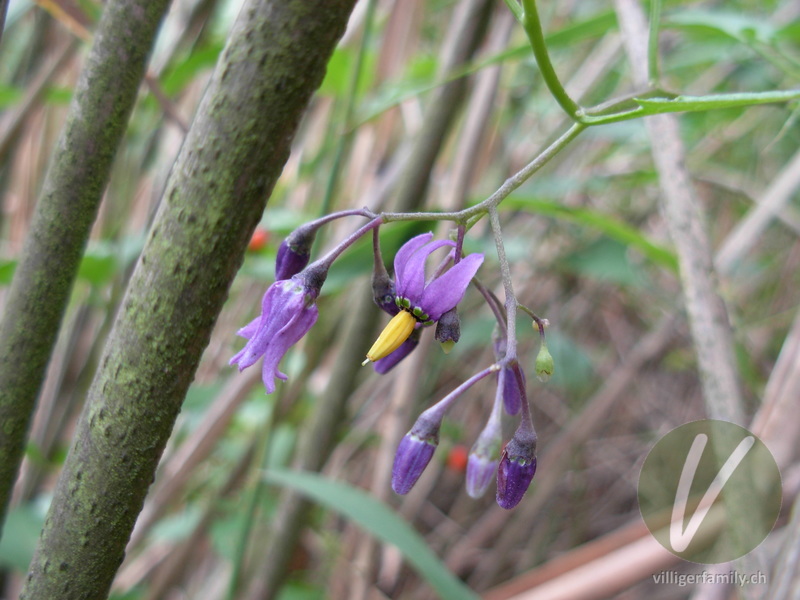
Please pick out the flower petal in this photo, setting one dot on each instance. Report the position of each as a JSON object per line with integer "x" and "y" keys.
{"x": 250, "y": 329}
{"x": 284, "y": 339}
{"x": 411, "y": 283}
{"x": 406, "y": 250}
{"x": 445, "y": 292}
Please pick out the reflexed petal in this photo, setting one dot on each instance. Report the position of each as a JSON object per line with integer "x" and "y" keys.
{"x": 445, "y": 292}
{"x": 413, "y": 455}
{"x": 412, "y": 281}
{"x": 406, "y": 250}
{"x": 280, "y": 343}
{"x": 250, "y": 329}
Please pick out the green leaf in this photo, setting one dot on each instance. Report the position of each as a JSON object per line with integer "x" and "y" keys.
{"x": 610, "y": 226}
{"x": 183, "y": 73}
{"x": 10, "y": 95}
{"x": 380, "y": 521}
{"x": 605, "y": 260}
{"x": 98, "y": 264}
{"x": 20, "y": 535}
{"x": 738, "y": 26}
{"x": 7, "y": 268}
{"x": 654, "y": 106}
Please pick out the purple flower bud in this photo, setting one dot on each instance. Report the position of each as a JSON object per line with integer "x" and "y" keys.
{"x": 414, "y": 453}
{"x": 448, "y": 330}
{"x": 480, "y": 470}
{"x": 291, "y": 260}
{"x": 512, "y": 397}
{"x": 383, "y": 291}
{"x": 387, "y": 363}
{"x": 516, "y": 470}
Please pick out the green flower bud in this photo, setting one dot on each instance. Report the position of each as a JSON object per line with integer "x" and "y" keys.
{"x": 544, "y": 364}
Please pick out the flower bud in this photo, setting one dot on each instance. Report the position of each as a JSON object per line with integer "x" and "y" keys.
{"x": 383, "y": 291}
{"x": 295, "y": 251}
{"x": 516, "y": 470}
{"x": 483, "y": 458}
{"x": 544, "y": 363}
{"x": 414, "y": 453}
{"x": 480, "y": 471}
{"x": 448, "y": 330}
{"x": 512, "y": 395}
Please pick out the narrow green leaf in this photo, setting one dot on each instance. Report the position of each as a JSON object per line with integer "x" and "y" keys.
{"x": 610, "y": 226}
{"x": 380, "y": 521}
{"x": 654, "y": 106}
{"x": 738, "y": 26}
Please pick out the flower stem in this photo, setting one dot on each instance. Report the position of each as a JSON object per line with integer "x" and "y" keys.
{"x": 511, "y": 184}
{"x": 327, "y": 260}
{"x": 437, "y": 410}
{"x": 508, "y": 287}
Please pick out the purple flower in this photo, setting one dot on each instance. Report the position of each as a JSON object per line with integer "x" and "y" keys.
{"x": 429, "y": 301}
{"x": 422, "y": 302}
{"x": 415, "y": 452}
{"x": 516, "y": 470}
{"x": 288, "y": 311}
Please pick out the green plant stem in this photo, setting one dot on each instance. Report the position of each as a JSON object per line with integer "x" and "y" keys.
{"x": 516, "y": 9}
{"x": 67, "y": 207}
{"x": 215, "y": 195}
{"x": 511, "y": 184}
{"x": 652, "y": 42}
{"x": 533, "y": 29}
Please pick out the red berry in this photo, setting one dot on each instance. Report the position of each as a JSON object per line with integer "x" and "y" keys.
{"x": 259, "y": 240}
{"x": 457, "y": 458}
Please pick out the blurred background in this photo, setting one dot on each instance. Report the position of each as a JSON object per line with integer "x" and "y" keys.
{"x": 430, "y": 105}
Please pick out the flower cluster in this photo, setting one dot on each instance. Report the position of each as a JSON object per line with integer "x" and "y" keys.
{"x": 414, "y": 301}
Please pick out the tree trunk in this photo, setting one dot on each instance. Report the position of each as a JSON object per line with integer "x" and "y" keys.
{"x": 66, "y": 209}
{"x": 233, "y": 154}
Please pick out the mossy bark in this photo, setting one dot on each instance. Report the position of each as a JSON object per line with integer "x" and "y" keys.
{"x": 233, "y": 154}
{"x": 67, "y": 207}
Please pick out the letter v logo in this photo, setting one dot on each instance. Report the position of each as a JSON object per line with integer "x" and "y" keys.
{"x": 680, "y": 538}
{"x": 686, "y": 474}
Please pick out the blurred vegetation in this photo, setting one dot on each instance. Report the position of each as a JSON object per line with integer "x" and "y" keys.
{"x": 588, "y": 247}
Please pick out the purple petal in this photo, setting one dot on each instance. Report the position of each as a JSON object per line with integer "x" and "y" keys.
{"x": 250, "y": 329}
{"x": 406, "y": 250}
{"x": 445, "y": 292}
{"x": 411, "y": 282}
{"x": 284, "y": 339}
{"x": 282, "y": 301}
{"x": 413, "y": 455}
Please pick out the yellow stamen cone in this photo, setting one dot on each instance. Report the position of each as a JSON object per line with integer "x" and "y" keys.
{"x": 392, "y": 336}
